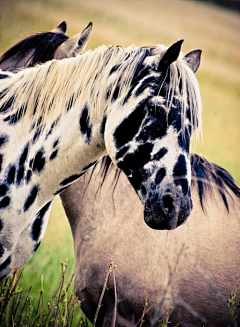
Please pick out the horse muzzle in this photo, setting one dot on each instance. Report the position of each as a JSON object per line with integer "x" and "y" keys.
{"x": 167, "y": 211}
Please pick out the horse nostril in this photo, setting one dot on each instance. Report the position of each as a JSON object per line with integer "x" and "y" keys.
{"x": 168, "y": 203}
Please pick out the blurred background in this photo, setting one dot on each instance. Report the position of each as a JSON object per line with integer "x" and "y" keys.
{"x": 202, "y": 24}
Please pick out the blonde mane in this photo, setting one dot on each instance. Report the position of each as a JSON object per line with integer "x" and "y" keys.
{"x": 47, "y": 90}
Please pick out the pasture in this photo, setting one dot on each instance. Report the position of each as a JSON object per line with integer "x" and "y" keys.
{"x": 210, "y": 28}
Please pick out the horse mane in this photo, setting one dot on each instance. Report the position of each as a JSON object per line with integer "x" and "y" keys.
{"x": 58, "y": 84}
{"x": 43, "y": 45}
{"x": 205, "y": 176}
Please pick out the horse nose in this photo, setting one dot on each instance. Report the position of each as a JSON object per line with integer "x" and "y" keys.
{"x": 167, "y": 204}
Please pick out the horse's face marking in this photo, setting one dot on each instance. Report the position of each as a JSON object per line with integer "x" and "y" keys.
{"x": 85, "y": 126}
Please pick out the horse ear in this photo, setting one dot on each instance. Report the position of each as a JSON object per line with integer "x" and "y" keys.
{"x": 74, "y": 45}
{"x": 61, "y": 28}
{"x": 170, "y": 55}
{"x": 193, "y": 59}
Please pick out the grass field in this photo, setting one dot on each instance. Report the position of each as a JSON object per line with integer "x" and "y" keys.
{"x": 140, "y": 22}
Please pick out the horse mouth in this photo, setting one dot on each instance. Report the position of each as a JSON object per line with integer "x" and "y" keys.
{"x": 157, "y": 218}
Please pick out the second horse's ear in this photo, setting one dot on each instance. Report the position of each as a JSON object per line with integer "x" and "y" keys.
{"x": 61, "y": 28}
{"x": 193, "y": 59}
{"x": 75, "y": 44}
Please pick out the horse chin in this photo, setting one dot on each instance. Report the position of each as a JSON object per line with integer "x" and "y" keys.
{"x": 156, "y": 218}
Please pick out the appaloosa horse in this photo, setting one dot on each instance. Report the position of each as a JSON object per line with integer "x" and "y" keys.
{"x": 149, "y": 88}
{"x": 193, "y": 268}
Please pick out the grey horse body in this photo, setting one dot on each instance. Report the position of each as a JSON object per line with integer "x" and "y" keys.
{"x": 192, "y": 268}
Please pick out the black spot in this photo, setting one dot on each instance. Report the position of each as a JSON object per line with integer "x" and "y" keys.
{"x": 28, "y": 176}
{"x": 53, "y": 155}
{"x": 180, "y": 169}
{"x": 20, "y": 174}
{"x": 60, "y": 190}
{"x": 129, "y": 127}
{"x": 70, "y": 179}
{"x": 3, "y": 140}
{"x": 70, "y": 103}
{"x": 39, "y": 161}
{"x": 5, "y": 263}
{"x": 37, "y": 134}
{"x": 90, "y": 165}
{"x": 31, "y": 198}
{"x": 54, "y": 124}
{"x": 1, "y": 225}
{"x": 174, "y": 119}
{"x": 39, "y": 121}
{"x": 3, "y": 189}
{"x": 2, "y": 76}
{"x": 180, "y": 172}
{"x": 7, "y": 105}
{"x": 36, "y": 246}
{"x": 37, "y": 224}
{"x": 115, "y": 93}
{"x": 85, "y": 126}
{"x": 160, "y": 154}
{"x": 15, "y": 118}
{"x": 103, "y": 124}
{"x": 160, "y": 175}
{"x": 4, "y": 202}
{"x": 114, "y": 69}
{"x": 23, "y": 156}
{"x": 184, "y": 141}
{"x": 11, "y": 174}
{"x": 1, "y": 250}
{"x": 55, "y": 143}
{"x": 1, "y": 161}
{"x": 133, "y": 164}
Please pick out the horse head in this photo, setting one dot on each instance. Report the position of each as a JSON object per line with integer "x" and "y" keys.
{"x": 41, "y": 47}
{"x": 150, "y": 139}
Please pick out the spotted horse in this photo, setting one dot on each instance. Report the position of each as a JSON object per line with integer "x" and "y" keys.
{"x": 69, "y": 118}
{"x": 100, "y": 232}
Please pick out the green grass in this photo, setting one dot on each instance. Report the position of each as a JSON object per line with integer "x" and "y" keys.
{"x": 125, "y": 22}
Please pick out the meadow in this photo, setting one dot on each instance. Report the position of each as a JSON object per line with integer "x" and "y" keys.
{"x": 124, "y": 22}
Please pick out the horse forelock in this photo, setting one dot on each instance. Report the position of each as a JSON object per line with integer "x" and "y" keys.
{"x": 41, "y": 45}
